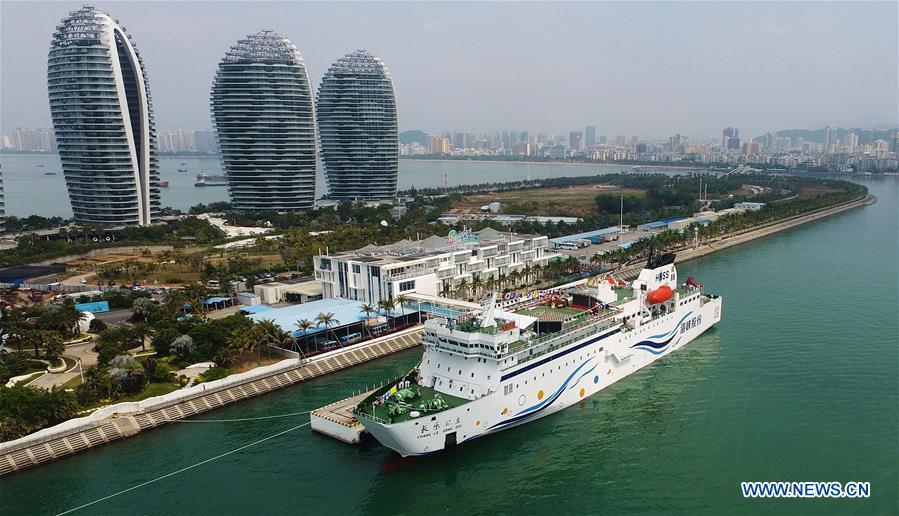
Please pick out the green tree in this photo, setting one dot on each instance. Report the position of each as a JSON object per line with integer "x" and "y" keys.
{"x": 304, "y": 325}
{"x": 54, "y": 346}
{"x": 183, "y": 346}
{"x": 327, "y": 320}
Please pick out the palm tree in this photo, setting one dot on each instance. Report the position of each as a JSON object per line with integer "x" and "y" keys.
{"x": 538, "y": 271}
{"x": 490, "y": 283}
{"x": 387, "y": 305}
{"x": 462, "y": 288}
{"x": 401, "y": 301}
{"x": 446, "y": 288}
{"x": 526, "y": 272}
{"x": 53, "y": 345}
{"x": 327, "y": 319}
{"x": 141, "y": 331}
{"x": 367, "y": 309}
{"x": 514, "y": 278}
{"x": 304, "y": 325}
{"x": 477, "y": 284}
{"x": 68, "y": 318}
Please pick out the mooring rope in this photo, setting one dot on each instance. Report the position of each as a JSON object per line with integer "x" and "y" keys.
{"x": 167, "y": 475}
{"x": 237, "y": 419}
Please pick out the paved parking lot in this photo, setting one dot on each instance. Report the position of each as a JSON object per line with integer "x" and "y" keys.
{"x": 587, "y": 252}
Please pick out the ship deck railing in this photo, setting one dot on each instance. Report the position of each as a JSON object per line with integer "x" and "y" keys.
{"x": 522, "y": 345}
{"x": 379, "y": 412}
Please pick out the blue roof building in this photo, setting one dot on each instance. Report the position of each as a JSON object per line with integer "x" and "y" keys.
{"x": 345, "y": 312}
{"x": 589, "y": 235}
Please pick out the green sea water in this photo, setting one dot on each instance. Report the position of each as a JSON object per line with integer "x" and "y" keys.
{"x": 799, "y": 382}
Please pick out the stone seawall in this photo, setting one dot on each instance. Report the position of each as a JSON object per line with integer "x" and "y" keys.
{"x": 123, "y": 420}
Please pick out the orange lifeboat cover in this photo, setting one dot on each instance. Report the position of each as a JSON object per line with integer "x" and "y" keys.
{"x": 659, "y": 295}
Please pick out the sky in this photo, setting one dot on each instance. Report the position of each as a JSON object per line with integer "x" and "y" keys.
{"x": 639, "y": 68}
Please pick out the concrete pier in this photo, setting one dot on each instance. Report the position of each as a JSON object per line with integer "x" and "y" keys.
{"x": 337, "y": 420}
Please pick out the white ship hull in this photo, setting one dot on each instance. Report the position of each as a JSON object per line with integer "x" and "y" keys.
{"x": 542, "y": 387}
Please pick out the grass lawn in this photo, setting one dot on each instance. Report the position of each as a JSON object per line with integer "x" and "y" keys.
{"x": 70, "y": 362}
{"x": 153, "y": 389}
{"x": 32, "y": 376}
{"x": 35, "y": 366}
{"x": 71, "y": 384}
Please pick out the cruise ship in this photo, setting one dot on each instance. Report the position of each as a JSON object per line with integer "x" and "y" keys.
{"x": 490, "y": 369}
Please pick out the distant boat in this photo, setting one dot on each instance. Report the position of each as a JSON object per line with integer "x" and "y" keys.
{"x": 204, "y": 179}
{"x": 49, "y": 173}
{"x": 183, "y": 163}
{"x": 40, "y": 166}
{"x": 182, "y": 169}
{"x": 164, "y": 184}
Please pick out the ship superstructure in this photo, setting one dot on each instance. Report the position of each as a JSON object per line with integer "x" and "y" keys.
{"x": 490, "y": 369}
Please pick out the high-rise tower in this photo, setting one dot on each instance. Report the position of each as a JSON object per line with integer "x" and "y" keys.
{"x": 357, "y": 125}
{"x": 263, "y": 114}
{"x": 2, "y": 206}
{"x": 103, "y": 117}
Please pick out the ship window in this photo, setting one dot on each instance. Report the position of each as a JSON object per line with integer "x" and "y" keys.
{"x": 472, "y": 375}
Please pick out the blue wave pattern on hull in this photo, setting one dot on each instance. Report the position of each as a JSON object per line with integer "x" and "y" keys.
{"x": 657, "y": 348}
{"x": 534, "y": 409}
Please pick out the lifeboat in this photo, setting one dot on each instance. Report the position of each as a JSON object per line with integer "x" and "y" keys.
{"x": 659, "y": 295}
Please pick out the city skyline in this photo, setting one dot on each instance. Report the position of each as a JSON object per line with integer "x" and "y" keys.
{"x": 599, "y": 76}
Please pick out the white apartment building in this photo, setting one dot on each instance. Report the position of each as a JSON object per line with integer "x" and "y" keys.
{"x": 428, "y": 266}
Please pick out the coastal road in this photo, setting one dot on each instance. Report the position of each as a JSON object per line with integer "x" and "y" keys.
{"x": 76, "y": 280}
{"x": 114, "y": 317}
{"x": 80, "y": 352}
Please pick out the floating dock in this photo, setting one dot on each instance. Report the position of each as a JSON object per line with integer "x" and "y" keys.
{"x": 337, "y": 420}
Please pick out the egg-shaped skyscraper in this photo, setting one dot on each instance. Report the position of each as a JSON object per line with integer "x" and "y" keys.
{"x": 103, "y": 117}
{"x": 263, "y": 113}
{"x": 357, "y": 127}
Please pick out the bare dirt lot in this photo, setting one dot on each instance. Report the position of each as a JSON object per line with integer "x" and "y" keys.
{"x": 568, "y": 201}
{"x": 810, "y": 192}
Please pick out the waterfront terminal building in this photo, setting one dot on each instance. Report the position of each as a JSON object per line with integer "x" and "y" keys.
{"x": 103, "y": 119}
{"x": 431, "y": 267}
{"x": 263, "y": 115}
{"x": 357, "y": 127}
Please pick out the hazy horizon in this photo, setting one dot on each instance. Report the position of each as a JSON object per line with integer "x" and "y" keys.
{"x": 647, "y": 69}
